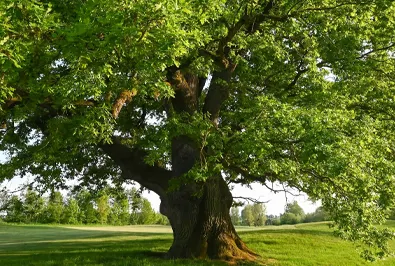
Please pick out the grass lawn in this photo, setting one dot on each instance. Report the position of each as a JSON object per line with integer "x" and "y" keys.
{"x": 306, "y": 244}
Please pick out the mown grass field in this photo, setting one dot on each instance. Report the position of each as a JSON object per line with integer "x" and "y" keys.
{"x": 306, "y": 244}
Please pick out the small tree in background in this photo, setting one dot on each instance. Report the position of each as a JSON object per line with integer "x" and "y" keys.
{"x": 14, "y": 211}
{"x": 295, "y": 208}
{"x": 235, "y": 215}
{"x": 294, "y": 214}
{"x": 33, "y": 207}
{"x": 119, "y": 214}
{"x": 161, "y": 219}
{"x": 272, "y": 220}
{"x": 290, "y": 218}
{"x": 247, "y": 215}
{"x": 317, "y": 216}
{"x": 85, "y": 202}
{"x": 147, "y": 214}
{"x": 259, "y": 213}
{"x": 71, "y": 212}
{"x": 253, "y": 215}
{"x": 135, "y": 204}
{"x": 5, "y": 198}
{"x": 54, "y": 208}
{"x": 103, "y": 207}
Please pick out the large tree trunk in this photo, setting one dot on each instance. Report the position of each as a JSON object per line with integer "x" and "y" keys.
{"x": 201, "y": 224}
{"x": 198, "y": 211}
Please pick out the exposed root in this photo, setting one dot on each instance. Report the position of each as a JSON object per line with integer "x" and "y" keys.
{"x": 233, "y": 250}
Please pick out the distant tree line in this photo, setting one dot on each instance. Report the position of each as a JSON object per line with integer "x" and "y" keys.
{"x": 107, "y": 206}
{"x": 251, "y": 215}
{"x": 294, "y": 214}
{"x": 255, "y": 215}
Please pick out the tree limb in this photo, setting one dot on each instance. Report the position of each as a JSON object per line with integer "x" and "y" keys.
{"x": 218, "y": 93}
{"x": 124, "y": 97}
{"x": 251, "y": 199}
{"x": 275, "y": 191}
{"x": 135, "y": 168}
{"x": 376, "y": 50}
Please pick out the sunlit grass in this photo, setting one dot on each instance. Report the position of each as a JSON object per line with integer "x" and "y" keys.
{"x": 307, "y": 244}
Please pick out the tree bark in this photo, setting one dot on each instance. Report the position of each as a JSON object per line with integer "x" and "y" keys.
{"x": 202, "y": 227}
{"x": 131, "y": 161}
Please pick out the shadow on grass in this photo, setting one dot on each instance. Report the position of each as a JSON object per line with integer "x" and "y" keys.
{"x": 53, "y": 245}
{"x": 130, "y": 252}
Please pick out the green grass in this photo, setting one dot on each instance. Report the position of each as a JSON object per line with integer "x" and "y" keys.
{"x": 307, "y": 244}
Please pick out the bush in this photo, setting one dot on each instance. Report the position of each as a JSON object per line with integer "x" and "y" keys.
{"x": 290, "y": 218}
{"x": 276, "y": 221}
{"x": 318, "y": 216}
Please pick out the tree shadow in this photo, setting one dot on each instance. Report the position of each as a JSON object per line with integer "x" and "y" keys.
{"x": 56, "y": 245}
{"x": 88, "y": 247}
{"x": 135, "y": 252}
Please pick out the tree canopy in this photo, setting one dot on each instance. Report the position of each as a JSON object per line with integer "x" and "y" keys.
{"x": 172, "y": 93}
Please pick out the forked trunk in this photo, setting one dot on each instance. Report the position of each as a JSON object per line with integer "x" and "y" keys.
{"x": 201, "y": 224}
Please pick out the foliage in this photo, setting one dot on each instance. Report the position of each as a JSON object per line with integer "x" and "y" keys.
{"x": 87, "y": 214}
{"x": 71, "y": 211}
{"x": 235, "y": 215}
{"x": 305, "y": 97}
{"x": 253, "y": 215}
{"x": 33, "y": 206}
{"x": 273, "y": 220}
{"x": 15, "y": 210}
{"x": 146, "y": 214}
{"x": 319, "y": 215}
{"x": 247, "y": 215}
{"x": 103, "y": 207}
{"x": 259, "y": 211}
{"x": 293, "y": 214}
{"x": 290, "y": 218}
{"x": 294, "y": 208}
{"x": 4, "y": 199}
{"x": 54, "y": 208}
{"x": 119, "y": 214}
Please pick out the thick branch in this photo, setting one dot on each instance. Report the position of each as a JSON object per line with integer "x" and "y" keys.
{"x": 124, "y": 97}
{"x": 231, "y": 33}
{"x": 218, "y": 93}
{"x": 131, "y": 161}
{"x": 299, "y": 73}
{"x": 251, "y": 199}
{"x": 187, "y": 89}
{"x": 275, "y": 191}
{"x": 245, "y": 173}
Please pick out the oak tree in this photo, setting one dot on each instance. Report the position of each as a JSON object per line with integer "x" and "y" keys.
{"x": 186, "y": 97}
